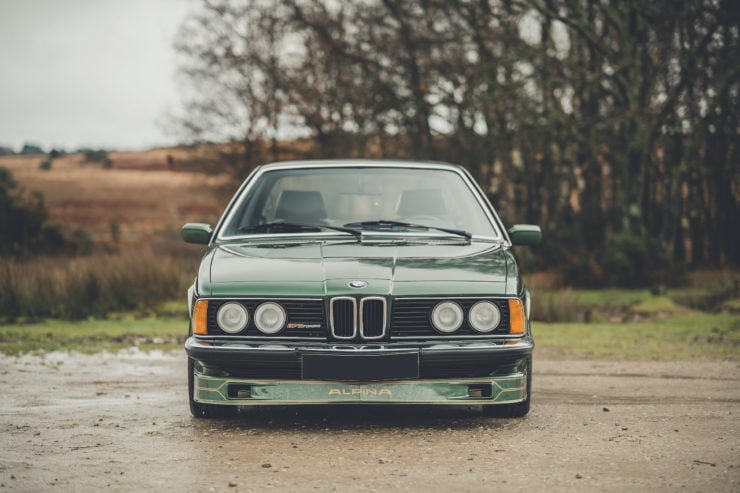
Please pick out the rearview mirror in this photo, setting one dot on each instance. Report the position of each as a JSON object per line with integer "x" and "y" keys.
{"x": 525, "y": 234}
{"x": 199, "y": 233}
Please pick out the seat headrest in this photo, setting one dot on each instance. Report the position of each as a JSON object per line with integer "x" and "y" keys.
{"x": 421, "y": 202}
{"x": 299, "y": 206}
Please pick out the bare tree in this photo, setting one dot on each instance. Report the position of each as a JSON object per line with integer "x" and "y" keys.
{"x": 613, "y": 123}
{"x": 232, "y": 57}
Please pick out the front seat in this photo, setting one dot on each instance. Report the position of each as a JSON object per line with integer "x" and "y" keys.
{"x": 301, "y": 207}
{"x": 421, "y": 202}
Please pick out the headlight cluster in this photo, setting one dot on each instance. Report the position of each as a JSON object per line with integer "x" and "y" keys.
{"x": 447, "y": 316}
{"x": 232, "y": 317}
{"x": 483, "y": 317}
{"x": 269, "y": 318}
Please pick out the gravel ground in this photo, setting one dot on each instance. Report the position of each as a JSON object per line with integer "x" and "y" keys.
{"x": 121, "y": 422}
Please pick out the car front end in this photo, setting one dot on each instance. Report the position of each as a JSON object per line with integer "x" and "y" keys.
{"x": 351, "y": 307}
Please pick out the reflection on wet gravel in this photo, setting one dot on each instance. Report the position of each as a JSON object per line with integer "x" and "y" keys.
{"x": 121, "y": 422}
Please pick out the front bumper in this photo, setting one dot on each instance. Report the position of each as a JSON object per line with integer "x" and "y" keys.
{"x": 257, "y": 373}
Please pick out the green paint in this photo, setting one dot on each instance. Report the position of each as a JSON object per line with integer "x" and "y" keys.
{"x": 199, "y": 233}
{"x": 274, "y": 269}
{"x": 525, "y": 234}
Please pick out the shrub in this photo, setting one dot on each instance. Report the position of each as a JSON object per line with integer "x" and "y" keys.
{"x": 45, "y": 165}
{"x": 627, "y": 261}
{"x": 89, "y": 286}
{"x": 31, "y": 149}
{"x": 95, "y": 155}
{"x": 557, "y": 306}
{"x": 632, "y": 261}
{"x": 24, "y": 226}
{"x": 582, "y": 270}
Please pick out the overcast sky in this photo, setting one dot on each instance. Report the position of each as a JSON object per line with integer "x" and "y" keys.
{"x": 96, "y": 73}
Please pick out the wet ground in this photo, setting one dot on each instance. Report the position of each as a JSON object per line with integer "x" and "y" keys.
{"x": 121, "y": 422}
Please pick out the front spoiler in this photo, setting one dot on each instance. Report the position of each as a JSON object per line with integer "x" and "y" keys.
{"x": 216, "y": 383}
{"x": 489, "y": 390}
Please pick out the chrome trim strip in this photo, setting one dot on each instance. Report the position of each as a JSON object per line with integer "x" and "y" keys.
{"x": 354, "y": 312}
{"x": 261, "y": 339}
{"x": 453, "y": 336}
{"x": 358, "y": 349}
{"x": 370, "y": 235}
{"x": 502, "y": 345}
{"x": 442, "y": 298}
{"x": 263, "y": 298}
{"x": 385, "y": 317}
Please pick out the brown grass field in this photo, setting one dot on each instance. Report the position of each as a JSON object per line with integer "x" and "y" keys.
{"x": 140, "y": 201}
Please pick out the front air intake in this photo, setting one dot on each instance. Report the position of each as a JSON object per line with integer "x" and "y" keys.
{"x": 343, "y": 317}
{"x": 372, "y": 318}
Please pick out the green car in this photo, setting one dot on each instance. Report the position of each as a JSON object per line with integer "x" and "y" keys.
{"x": 373, "y": 282}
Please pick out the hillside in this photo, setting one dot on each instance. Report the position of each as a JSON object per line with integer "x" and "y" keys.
{"x": 141, "y": 200}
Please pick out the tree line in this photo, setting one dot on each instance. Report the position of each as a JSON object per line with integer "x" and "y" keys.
{"x": 611, "y": 123}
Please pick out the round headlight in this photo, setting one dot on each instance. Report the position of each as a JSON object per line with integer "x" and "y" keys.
{"x": 484, "y": 316}
{"x": 269, "y": 318}
{"x": 447, "y": 316}
{"x": 232, "y": 317}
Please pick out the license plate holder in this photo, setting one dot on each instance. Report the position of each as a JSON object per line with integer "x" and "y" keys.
{"x": 356, "y": 366}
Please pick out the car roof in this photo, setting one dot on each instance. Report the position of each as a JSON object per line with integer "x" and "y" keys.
{"x": 360, "y": 163}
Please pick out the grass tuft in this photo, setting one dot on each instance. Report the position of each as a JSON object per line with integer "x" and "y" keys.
{"x": 693, "y": 335}
{"x": 557, "y": 306}
{"x": 89, "y": 336}
{"x": 658, "y": 305}
{"x": 94, "y": 286}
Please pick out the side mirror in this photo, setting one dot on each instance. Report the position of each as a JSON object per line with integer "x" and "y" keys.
{"x": 525, "y": 234}
{"x": 199, "y": 233}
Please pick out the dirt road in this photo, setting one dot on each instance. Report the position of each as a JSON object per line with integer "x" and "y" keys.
{"x": 121, "y": 422}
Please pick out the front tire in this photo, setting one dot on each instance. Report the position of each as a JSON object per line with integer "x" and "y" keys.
{"x": 516, "y": 410}
{"x": 205, "y": 411}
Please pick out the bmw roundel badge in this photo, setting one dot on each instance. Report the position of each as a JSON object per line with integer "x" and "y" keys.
{"x": 357, "y": 284}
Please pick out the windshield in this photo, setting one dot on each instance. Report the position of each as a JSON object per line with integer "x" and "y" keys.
{"x": 368, "y": 199}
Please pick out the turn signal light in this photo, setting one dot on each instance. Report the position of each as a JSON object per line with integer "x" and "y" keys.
{"x": 200, "y": 317}
{"x": 516, "y": 317}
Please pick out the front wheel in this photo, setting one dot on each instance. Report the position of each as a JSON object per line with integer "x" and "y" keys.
{"x": 516, "y": 410}
{"x": 205, "y": 411}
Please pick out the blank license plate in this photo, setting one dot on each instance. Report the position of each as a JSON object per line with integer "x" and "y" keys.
{"x": 354, "y": 366}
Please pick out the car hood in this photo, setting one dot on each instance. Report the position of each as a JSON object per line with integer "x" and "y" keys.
{"x": 319, "y": 269}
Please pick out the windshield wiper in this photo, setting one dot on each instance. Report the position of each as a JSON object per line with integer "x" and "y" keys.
{"x": 284, "y": 227}
{"x": 387, "y": 224}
